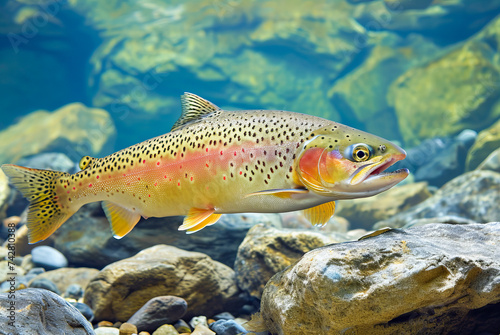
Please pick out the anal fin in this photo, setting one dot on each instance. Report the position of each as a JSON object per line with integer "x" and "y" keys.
{"x": 319, "y": 215}
{"x": 122, "y": 220}
{"x": 198, "y": 219}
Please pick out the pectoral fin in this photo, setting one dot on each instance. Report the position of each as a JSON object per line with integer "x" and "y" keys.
{"x": 198, "y": 219}
{"x": 122, "y": 220}
{"x": 320, "y": 215}
{"x": 280, "y": 193}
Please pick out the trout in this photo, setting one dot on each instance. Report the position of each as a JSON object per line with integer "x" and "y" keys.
{"x": 215, "y": 162}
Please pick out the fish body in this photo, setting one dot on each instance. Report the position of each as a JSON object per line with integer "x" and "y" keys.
{"x": 215, "y": 162}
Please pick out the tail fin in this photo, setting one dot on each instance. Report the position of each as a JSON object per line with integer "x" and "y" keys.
{"x": 45, "y": 214}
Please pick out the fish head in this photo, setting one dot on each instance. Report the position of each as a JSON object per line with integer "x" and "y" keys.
{"x": 344, "y": 163}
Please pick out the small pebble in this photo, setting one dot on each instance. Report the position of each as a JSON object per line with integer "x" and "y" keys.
{"x": 202, "y": 330}
{"x": 224, "y": 316}
{"x": 36, "y": 271}
{"x": 182, "y": 327}
{"x": 45, "y": 284}
{"x": 166, "y": 330}
{"x": 74, "y": 291}
{"x": 106, "y": 331}
{"x": 227, "y": 327}
{"x": 128, "y": 329}
{"x": 105, "y": 323}
{"x": 159, "y": 311}
{"x": 48, "y": 258}
{"x": 198, "y": 320}
{"x": 209, "y": 321}
{"x": 27, "y": 263}
{"x": 84, "y": 309}
{"x": 117, "y": 324}
{"x": 144, "y": 333}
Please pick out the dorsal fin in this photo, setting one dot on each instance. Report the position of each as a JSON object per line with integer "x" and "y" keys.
{"x": 193, "y": 108}
{"x": 86, "y": 161}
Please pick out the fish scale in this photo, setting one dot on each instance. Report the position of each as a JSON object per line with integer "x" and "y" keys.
{"x": 212, "y": 162}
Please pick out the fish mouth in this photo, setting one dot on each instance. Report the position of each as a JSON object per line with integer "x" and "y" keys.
{"x": 374, "y": 173}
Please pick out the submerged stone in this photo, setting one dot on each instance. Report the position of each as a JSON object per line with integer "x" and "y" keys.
{"x": 42, "y": 312}
{"x": 123, "y": 287}
{"x": 436, "y": 278}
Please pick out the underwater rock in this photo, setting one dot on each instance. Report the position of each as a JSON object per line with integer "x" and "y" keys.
{"x": 48, "y": 258}
{"x": 106, "y": 331}
{"x": 437, "y": 160}
{"x": 486, "y": 142}
{"x": 65, "y": 277}
{"x": 247, "y": 55}
{"x": 166, "y": 330}
{"x": 202, "y": 330}
{"x": 86, "y": 239}
{"x": 73, "y": 291}
{"x": 266, "y": 251}
{"x": 473, "y": 78}
{"x": 365, "y": 212}
{"x": 44, "y": 283}
{"x": 49, "y": 161}
{"x": 128, "y": 329}
{"x": 42, "y": 312}
{"x": 407, "y": 4}
{"x": 473, "y": 195}
{"x": 75, "y": 130}
{"x": 158, "y": 311}
{"x": 361, "y": 94}
{"x": 84, "y": 309}
{"x": 448, "y": 219}
{"x": 227, "y": 327}
{"x": 445, "y": 21}
{"x": 492, "y": 162}
{"x": 123, "y": 287}
{"x": 438, "y": 279}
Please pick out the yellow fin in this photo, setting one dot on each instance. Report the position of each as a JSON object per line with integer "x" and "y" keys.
{"x": 86, "y": 161}
{"x": 45, "y": 212}
{"x": 198, "y": 218}
{"x": 122, "y": 220}
{"x": 319, "y": 215}
{"x": 280, "y": 193}
{"x": 212, "y": 219}
{"x": 193, "y": 108}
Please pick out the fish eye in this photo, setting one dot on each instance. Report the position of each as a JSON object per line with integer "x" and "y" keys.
{"x": 359, "y": 152}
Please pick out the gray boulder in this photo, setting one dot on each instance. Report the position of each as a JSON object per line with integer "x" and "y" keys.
{"x": 473, "y": 196}
{"x": 266, "y": 251}
{"x": 38, "y": 311}
{"x": 436, "y": 279}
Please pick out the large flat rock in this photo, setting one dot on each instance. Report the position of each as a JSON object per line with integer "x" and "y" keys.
{"x": 439, "y": 279}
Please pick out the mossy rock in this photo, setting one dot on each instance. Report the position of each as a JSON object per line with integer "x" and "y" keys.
{"x": 73, "y": 129}
{"x": 446, "y": 96}
{"x": 486, "y": 142}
